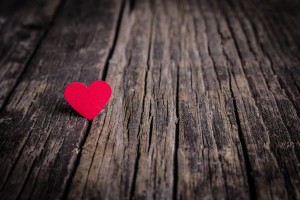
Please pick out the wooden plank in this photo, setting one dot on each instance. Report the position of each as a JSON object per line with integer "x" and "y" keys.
{"x": 269, "y": 138}
{"x": 211, "y": 163}
{"x": 22, "y": 27}
{"x": 129, "y": 152}
{"x": 40, "y": 135}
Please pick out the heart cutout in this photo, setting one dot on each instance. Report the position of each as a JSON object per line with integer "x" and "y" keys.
{"x": 88, "y": 101}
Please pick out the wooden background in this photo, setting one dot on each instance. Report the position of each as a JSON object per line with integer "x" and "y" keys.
{"x": 206, "y": 99}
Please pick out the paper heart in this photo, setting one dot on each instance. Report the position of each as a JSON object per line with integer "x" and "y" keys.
{"x": 88, "y": 101}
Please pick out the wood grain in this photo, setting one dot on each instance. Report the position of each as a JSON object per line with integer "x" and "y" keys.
{"x": 129, "y": 152}
{"x": 40, "y": 135}
{"x": 206, "y": 102}
{"x": 22, "y": 26}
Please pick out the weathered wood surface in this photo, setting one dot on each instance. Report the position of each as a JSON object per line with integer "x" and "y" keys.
{"x": 40, "y": 136}
{"x": 22, "y": 26}
{"x": 206, "y": 100}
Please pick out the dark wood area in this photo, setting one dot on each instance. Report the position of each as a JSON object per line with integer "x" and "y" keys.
{"x": 205, "y": 105}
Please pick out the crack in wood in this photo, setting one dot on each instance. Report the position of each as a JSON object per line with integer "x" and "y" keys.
{"x": 251, "y": 182}
{"x": 176, "y": 144}
{"x": 115, "y": 39}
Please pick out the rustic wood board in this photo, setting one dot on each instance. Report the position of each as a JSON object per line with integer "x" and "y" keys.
{"x": 40, "y": 135}
{"x": 206, "y": 102}
{"x": 22, "y": 26}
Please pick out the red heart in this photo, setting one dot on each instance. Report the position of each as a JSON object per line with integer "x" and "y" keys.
{"x": 88, "y": 101}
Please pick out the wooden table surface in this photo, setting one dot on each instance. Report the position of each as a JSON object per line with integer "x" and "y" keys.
{"x": 205, "y": 105}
